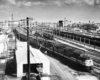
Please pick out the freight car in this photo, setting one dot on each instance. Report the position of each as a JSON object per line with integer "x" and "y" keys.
{"x": 48, "y": 36}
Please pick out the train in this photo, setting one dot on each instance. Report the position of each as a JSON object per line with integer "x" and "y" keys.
{"x": 61, "y": 51}
{"x": 70, "y": 53}
{"x": 92, "y": 40}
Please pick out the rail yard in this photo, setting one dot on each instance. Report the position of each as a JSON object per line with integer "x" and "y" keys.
{"x": 43, "y": 44}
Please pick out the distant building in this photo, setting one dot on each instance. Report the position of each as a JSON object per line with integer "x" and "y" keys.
{"x": 60, "y": 23}
{"x": 66, "y": 23}
{"x": 1, "y": 24}
{"x": 4, "y": 24}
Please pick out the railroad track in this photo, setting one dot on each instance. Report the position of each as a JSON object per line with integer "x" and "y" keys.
{"x": 90, "y": 52}
{"x": 96, "y": 67}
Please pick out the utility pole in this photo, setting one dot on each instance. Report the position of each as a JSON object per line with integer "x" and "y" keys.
{"x": 64, "y": 23}
{"x": 28, "y": 48}
{"x": 15, "y": 47}
{"x": 36, "y": 35}
{"x": 12, "y": 20}
{"x": 12, "y": 28}
{"x": 28, "y": 51}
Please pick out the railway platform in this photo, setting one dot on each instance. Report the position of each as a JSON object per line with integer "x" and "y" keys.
{"x": 74, "y": 44}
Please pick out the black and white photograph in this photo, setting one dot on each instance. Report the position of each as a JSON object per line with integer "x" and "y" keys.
{"x": 49, "y": 39}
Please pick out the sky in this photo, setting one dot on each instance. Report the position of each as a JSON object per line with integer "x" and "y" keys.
{"x": 51, "y": 10}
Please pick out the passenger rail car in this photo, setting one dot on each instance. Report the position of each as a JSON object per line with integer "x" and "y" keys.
{"x": 94, "y": 41}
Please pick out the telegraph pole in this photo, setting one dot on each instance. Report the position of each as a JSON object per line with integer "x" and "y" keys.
{"x": 28, "y": 51}
{"x": 12, "y": 19}
{"x": 64, "y": 23}
{"x": 36, "y": 36}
